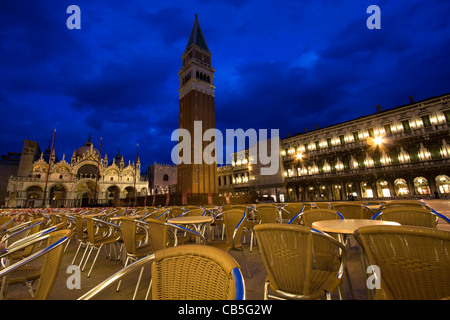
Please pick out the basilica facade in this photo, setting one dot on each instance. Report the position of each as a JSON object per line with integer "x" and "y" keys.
{"x": 83, "y": 180}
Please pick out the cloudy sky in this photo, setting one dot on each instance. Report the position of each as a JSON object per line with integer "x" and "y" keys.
{"x": 279, "y": 64}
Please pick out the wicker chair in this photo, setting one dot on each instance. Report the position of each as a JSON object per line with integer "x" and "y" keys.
{"x": 46, "y": 274}
{"x": 133, "y": 237}
{"x": 249, "y": 222}
{"x": 34, "y": 228}
{"x": 234, "y": 223}
{"x": 265, "y": 213}
{"x": 159, "y": 214}
{"x": 413, "y": 261}
{"x": 162, "y": 235}
{"x": 404, "y": 203}
{"x": 82, "y": 237}
{"x": 134, "y": 251}
{"x": 196, "y": 212}
{"x": 193, "y": 272}
{"x": 293, "y": 210}
{"x": 110, "y": 235}
{"x": 353, "y": 210}
{"x": 412, "y": 216}
{"x": 6, "y": 223}
{"x": 289, "y": 255}
{"x": 321, "y": 205}
{"x": 20, "y": 250}
{"x": 22, "y": 230}
{"x": 177, "y": 212}
{"x": 307, "y": 217}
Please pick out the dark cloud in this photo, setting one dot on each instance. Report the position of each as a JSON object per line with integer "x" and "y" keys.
{"x": 286, "y": 65}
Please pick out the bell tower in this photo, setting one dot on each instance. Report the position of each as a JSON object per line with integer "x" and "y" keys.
{"x": 197, "y": 108}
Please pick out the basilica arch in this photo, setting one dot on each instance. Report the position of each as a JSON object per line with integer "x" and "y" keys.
{"x": 85, "y": 192}
{"x": 57, "y": 196}
{"x": 113, "y": 196}
{"x": 34, "y": 196}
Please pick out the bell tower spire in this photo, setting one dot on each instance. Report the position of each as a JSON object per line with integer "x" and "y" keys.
{"x": 197, "y": 108}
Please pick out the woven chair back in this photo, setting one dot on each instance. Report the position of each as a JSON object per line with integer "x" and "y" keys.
{"x": 193, "y": 272}
{"x": 289, "y": 255}
{"x": 51, "y": 264}
{"x": 353, "y": 210}
{"x": 129, "y": 229}
{"x": 158, "y": 234}
{"x": 267, "y": 213}
{"x": 412, "y": 216}
{"x": 414, "y": 262}
{"x": 234, "y": 223}
{"x": 310, "y": 216}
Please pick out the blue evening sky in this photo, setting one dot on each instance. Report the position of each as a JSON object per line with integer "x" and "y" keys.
{"x": 280, "y": 64}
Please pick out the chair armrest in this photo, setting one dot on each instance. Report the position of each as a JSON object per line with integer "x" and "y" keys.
{"x": 32, "y": 257}
{"x": 119, "y": 275}
{"x": 237, "y": 228}
{"x": 440, "y": 215}
{"x": 342, "y": 248}
{"x": 37, "y": 234}
{"x": 192, "y": 232}
{"x": 376, "y": 215}
{"x": 239, "y": 283}
{"x": 15, "y": 230}
{"x": 111, "y": 226}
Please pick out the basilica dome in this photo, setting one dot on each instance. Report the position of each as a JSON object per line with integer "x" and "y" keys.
{"x": 87, "y": 148}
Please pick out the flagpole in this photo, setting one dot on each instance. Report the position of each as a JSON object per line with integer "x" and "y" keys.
{"x": 98, "y": 170}
{"x": 48, "y": 170}
{"x": 135, "y": 174}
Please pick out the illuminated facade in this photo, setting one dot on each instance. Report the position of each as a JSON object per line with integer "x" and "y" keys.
{"x": 243, "y": 178}
{"x": 402, "y": 152}
{"x": 74, "y": 183}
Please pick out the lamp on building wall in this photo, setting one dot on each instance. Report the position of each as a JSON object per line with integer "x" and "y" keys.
{"x": 368, "y": 162}
{"x": 403, "y": 156}
{"x": 385, "y": 159}
{"x": 339, "y": 165}
{"x": 445, "y": 149}
{"x": 376, "y": 141}
{"x": 423, "y": 153}
{"x": 326, "y": 167}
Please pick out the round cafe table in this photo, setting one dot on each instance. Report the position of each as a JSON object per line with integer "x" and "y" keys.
{"x": 348, "y": 226}
{"x": 345, "y": 227}
{"x": 197, "y": 222}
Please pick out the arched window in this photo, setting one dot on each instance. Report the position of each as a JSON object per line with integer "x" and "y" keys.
{"x": 166, "y": 177}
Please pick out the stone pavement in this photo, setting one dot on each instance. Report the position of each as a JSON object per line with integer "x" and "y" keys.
{"x": 254, "y": 285}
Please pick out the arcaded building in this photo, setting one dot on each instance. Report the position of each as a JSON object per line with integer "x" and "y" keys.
{"x": 402, "y": 152}
{"x": 83, "y": 180}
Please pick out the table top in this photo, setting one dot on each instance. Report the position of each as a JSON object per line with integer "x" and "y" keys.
{"x": 348, "y": 226}
{"x": 191, "y": 219}
{"x": 373, "y": 206}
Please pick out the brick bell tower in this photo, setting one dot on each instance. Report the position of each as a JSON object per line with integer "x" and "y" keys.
{"x": 197, "y": 106}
